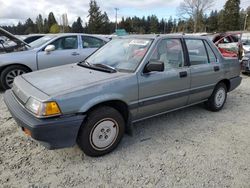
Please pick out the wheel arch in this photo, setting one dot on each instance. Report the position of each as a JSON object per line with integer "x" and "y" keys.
{"x": 14, "y": 64}
{"x": 227, "y": 83}
{"x": 119, "y": 105}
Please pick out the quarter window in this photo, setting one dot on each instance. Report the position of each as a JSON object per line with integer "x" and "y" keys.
{"x": 91, "y": 42}
{"x": 211, "y": 55}
{"x": 66, "y": 43}
{"x": 170, "y": 52}
{"x": 197, "y": 52}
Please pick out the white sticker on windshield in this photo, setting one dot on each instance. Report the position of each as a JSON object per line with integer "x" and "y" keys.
{"x": 139, "y": 42}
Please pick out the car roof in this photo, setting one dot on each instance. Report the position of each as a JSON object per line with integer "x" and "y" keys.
{"x": 159, "y": 36}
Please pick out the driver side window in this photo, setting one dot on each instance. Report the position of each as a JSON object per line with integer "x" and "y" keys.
{"x": 170, "y": 52}
{"x": 66, "y": 43}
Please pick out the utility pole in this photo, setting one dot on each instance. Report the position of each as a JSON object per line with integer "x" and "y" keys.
{"x": 245, "y": 24}
{"x": 116, "y": 9}
{"x": 165, "y": 25}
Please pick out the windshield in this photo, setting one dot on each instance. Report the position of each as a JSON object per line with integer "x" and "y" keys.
{"x": 122, "y": 54}
{"x": 37, "y": 43}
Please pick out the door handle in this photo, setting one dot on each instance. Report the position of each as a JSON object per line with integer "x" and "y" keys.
{"x": 183, "y": 74}
{"x": 75, "y": 53}
{"x": 216, "y": 68}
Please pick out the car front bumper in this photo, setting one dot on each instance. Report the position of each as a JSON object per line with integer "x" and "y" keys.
{"x": 53, "y": 133}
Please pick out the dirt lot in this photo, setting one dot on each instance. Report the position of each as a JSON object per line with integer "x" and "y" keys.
{"x": 188, "y": 148}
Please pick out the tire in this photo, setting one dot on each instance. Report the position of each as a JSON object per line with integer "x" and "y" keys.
{"x": 9, "y": 73}
{"x": 101, "y": 132}
{"x": 218, "y": 98}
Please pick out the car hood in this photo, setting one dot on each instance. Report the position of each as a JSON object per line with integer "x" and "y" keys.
{"x": 11, "y": 37}
{"x": 58, "y": 80}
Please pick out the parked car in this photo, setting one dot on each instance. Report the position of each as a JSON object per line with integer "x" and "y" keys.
{"x": 228, "y": 43}
{"x": 10, "y": 43}
{"x": 246, "y": 43}
{"x": 246, "y": 64}
{"x": 130, "y": 79}
{"x": 30, "y": 38}
{"x": 48, "y": 51}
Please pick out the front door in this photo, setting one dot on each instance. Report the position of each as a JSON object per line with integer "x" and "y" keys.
{"x": 163, "y": 91}
{"x": 66, "y": 52}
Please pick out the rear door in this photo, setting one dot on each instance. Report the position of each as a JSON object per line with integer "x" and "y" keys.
{"x": 205, "y": 69}
{"x": 163, "y": 91}
{"x": 66, "y": 51}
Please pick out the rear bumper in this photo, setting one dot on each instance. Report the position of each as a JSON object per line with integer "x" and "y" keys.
{"x": 234, "y": 83}
{"x": 53, "y": 133}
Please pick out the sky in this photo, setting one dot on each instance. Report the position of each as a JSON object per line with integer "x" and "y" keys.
{"x": 12, "y": 11}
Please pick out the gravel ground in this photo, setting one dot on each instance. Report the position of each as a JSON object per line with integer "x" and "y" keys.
{"x": 188, "y": 148}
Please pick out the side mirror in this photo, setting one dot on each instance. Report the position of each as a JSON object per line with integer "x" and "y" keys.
{"x": 154, "y": 66}
{"x": 49, "y": 48}
{"x": 1, "y": 41}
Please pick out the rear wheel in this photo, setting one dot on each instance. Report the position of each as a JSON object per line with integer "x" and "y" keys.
{"x": 9, "y": 73}
{"x": 218, "y": 98}
{"x": 101, "y": 132}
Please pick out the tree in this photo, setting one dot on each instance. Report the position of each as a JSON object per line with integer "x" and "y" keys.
{"x": 212, "y": 21}
{"x": 231, "y": 17}
{"x": 95, "y": 18}
{"x": 195, "y": 9}
{"x": 39, "y": 24}
{"x": 46, "y": 26}
{"x": 51, "y": 20}
{"x": 153, "y": 28}
{"x": 30, "y": 27}
{"x": 77, "y": 26}
{"x": 55, "y": 28}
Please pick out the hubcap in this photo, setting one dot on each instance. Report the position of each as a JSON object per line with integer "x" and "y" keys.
{"x": 104, "y": 134}
{"x": 220, "y": 97}
{"x": 11, "y": 75}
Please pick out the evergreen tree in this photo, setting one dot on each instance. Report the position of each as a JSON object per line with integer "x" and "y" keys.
{"x": 39, "y": 24}
{"x": 77, "y": 26}
{"x": 30, "y": 27}
{"x": 51, "y": 20}
{"x": 46, "y": 26}
{"x": 212, "y": 21}
{"x": 153, "y": 24}
{"x": 231, "y": 17}
{"x": 95, "y": 18}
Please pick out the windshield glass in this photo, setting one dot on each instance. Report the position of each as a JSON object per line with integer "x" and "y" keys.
{"x": 37, "y": 43}
{"x": 122, "y": 54}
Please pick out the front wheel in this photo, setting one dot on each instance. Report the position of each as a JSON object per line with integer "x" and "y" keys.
{"x": 218, "y": 98}
{"x": 101, "y": 132}
{"x": 9, "y": 73}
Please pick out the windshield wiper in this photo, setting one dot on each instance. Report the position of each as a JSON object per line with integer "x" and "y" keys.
{"x": 103, "y": 66}
{"x": 98, "y": 66}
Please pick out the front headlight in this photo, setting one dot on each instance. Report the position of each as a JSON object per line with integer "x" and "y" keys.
{"x": 43, "y": 109}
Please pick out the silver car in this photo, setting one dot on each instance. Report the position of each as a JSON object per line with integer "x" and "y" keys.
{"x": 48, "y": 51}
{"x": 128, "y": 80}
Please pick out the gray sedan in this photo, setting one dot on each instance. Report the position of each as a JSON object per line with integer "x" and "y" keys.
{"x": 48, "y": 51}
{"x": 129, "y": 79}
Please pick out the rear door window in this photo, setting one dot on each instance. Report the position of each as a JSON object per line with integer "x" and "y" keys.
{"x": 197, "y": 52}
{"x": 91, "y": 42}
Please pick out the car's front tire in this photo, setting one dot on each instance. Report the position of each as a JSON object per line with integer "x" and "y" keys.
{"x": 101, "y": 132}
{"x": 9, "y": 73}
{"x": 218, "y": 98}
